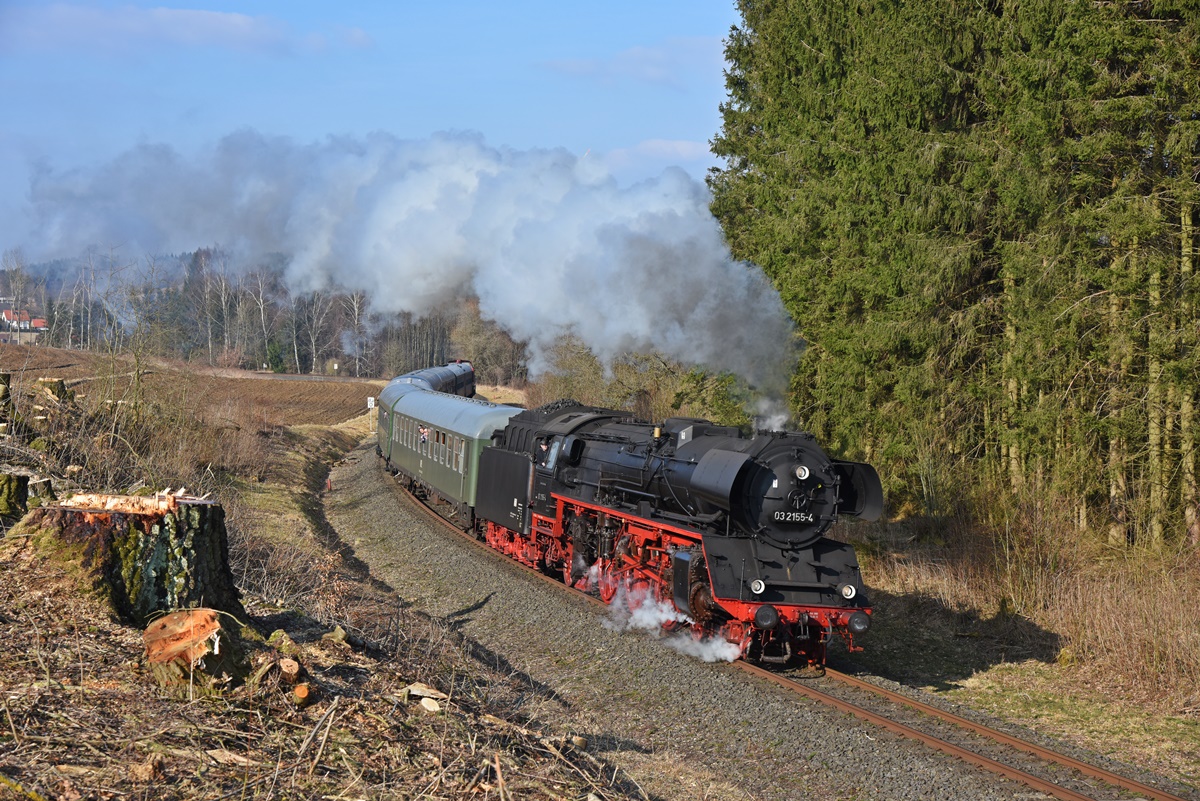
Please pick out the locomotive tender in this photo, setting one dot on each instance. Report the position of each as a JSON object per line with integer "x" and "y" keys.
{"x": 727, "y": 529}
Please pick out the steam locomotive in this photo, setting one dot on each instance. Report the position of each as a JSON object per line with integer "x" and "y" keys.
{"x": 727, "y": 530}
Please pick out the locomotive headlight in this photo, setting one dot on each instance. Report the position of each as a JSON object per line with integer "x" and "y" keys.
{"x": 758, "y": 586}
{"x": 766, "y": 617}
{"x": 847, "y": 591}
{"x": 802, "y": 471}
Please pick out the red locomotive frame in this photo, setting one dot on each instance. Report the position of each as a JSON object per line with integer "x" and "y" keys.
{"x": 640, "y": 562}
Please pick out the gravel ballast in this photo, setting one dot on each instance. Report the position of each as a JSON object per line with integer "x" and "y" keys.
{"x": 681, "y": 727}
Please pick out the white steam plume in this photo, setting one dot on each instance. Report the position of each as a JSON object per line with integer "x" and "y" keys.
{"x": 548, "y": 241}
{"x": 639, "y": 610}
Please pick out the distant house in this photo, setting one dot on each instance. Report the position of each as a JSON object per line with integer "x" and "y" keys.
{"x": 21, "y": 320}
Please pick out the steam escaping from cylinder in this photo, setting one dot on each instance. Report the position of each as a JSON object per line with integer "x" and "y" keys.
{"x": 639, "y": 610}
{"x": 548, "y": 241}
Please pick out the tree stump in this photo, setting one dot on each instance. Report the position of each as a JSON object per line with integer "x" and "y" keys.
{"x": 14, "y": 495}
{"x": 42, "y": 488}
{"x": 54, "y": 387}
{"x": 193, "y": 649}
{"x": 146, "y": 555}
{"x": 6, "y": 405}
{"x": 289, "y": 670}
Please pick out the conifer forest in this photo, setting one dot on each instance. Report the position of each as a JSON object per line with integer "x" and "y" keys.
{"x": 981, "y": 214}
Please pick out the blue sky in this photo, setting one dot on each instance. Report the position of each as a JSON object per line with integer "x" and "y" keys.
{"x": 634, "y": 85}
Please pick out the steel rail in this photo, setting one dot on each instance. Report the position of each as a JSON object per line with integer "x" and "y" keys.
{"x": 1041, "y": 752}
{"x": 938, "y": 744}
{"x": 1007, "y": 771}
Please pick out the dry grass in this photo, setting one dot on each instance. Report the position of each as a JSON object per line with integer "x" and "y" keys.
{"x": 1093, "y": 608}
{"x": 503, "y": 395}
{"x": 119, "y": 428}
{"x": 1043, "y": 627}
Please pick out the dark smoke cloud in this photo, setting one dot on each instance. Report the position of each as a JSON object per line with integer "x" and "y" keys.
{"x": 548, "y": 241}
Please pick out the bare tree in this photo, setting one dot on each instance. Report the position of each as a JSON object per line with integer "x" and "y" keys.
{"x": 358, "y": 345}
{"x": 318, "y": 309}
{"x": 294, "y": 323}
{"x": 13, "y": 264}
{"x": 259, "y": 287}
{"x": 221, "y": 294}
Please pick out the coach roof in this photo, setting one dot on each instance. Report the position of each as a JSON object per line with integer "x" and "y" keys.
{"x": 468, "y": 417}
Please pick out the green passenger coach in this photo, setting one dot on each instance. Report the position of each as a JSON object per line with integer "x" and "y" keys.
{"x": 434, "y": 439}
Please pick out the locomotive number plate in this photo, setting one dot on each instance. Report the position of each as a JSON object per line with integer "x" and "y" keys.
{"x": 795, "y": 517}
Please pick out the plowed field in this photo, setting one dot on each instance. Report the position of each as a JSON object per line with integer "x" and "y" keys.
{"x": 216, "y": 395}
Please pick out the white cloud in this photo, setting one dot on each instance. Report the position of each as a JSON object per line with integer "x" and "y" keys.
{"x": 62, "y": 26}
{"x": 671, "y": 63}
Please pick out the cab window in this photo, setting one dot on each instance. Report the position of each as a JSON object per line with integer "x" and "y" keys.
{"x": 552, "y": 456}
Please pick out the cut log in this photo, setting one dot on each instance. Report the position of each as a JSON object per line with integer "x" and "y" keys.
{"x": 146, "y": 555}
{"x": 303, "y": 694}
{"x": 194, "y": 649}
{"x": 289, "y": 670}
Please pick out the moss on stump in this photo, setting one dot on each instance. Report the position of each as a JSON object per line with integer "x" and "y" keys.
{"x": 147, "y": 556}
{"x": 14, "y": 495}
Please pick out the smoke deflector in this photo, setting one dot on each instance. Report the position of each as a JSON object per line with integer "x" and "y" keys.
{"x": 716, "y": 476}
{"x": 860, "y": 493}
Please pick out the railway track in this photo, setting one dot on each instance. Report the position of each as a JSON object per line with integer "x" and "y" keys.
{"x": 1084, "y": 770}
{"x": 1083, "y": 774}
